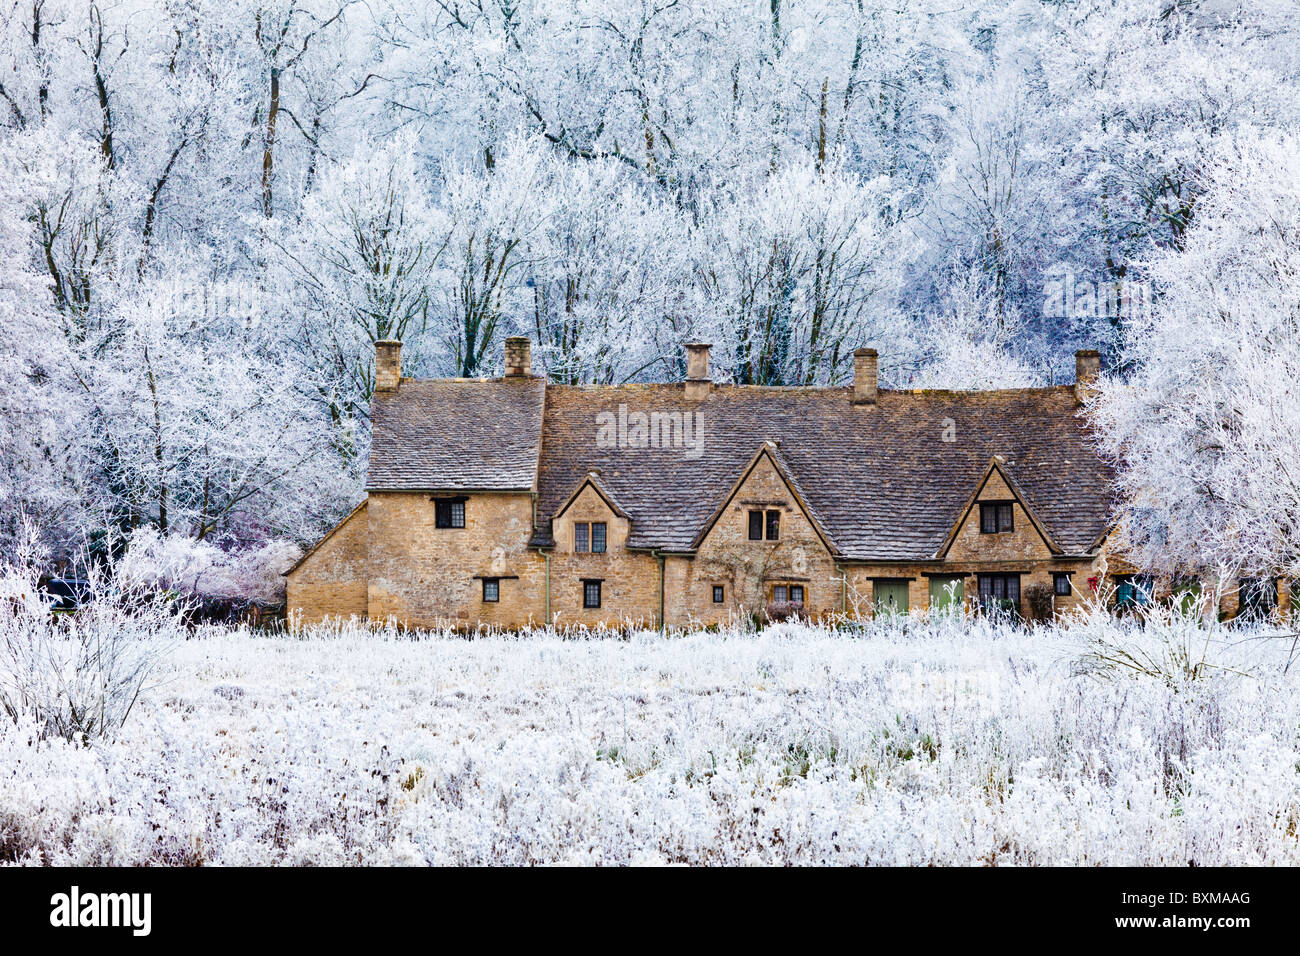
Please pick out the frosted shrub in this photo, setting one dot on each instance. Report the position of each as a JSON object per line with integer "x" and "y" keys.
{"x": 1164, "y": 641}
{"x": 78, "y": 675}
{"x": 915, "y": 739}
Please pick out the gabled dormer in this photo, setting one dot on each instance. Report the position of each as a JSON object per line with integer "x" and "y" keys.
{"x": 591, "y": 521}
{"x": 997, "y": 523}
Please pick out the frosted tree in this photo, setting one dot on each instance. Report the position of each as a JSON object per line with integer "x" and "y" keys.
{"x": 41, "y": 408}
{"x": 362, "y": 262}
{"x": 610, "y": 276}
{"x": 968, "y": 342}
{"x": 798, "y": 272}
{"x": 1205, "y": 432}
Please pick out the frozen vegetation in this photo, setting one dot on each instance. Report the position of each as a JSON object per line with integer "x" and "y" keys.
{"x": 906, "y": 742}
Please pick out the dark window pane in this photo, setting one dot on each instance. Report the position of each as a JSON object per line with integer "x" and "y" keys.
{"x": 598, "y": 536}
{"x": 1013, "y": 587}
{"x": 449, "y": 514}
{"x": 717, "y": 594}
{"x": 988, "y": 519}
{"x": 1004, "y": 518}
{"x": 756, "y": 526}
{"x": 779, "y": 594}
{"x": 773, "y": 525}
{"x": 580, "y": 537}
{"x": 796, "y": 593}
{"x": 591, "y": 594}
{"x": 1062, "y": 582}
{"x": 491, "y": 589}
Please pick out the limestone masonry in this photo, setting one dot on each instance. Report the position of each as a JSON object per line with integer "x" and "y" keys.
{"x": 511, "y": 502}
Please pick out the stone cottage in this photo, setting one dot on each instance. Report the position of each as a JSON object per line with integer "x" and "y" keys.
{"x": 513, "y": 502}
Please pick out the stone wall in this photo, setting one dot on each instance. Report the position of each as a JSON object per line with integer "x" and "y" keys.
{"x": 331, "y": 580}
{"x": 748, "y": 570}
{"x": 423, "y": 576}
{"x": 629, "y": 580}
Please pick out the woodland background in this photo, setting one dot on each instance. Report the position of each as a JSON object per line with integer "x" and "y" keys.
{"x": 210, "y": 211}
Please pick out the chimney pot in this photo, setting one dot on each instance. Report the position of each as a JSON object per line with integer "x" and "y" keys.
{"x": 1087, "y": 369}
{"x": 519, "y": 356}
{"x": 388, "y": 365}
{"x": 866, "y": 372}
{"x": 698, "y": 383}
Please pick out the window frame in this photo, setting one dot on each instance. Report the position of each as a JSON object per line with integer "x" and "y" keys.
{"x": 495, "y": 585}
{"x": 604, "y": 537}
{"x": 719, "y": 594}
{"x": 780, "y": 593}
{"x": 766, "y": 522}
{"x": 1059, "y": 578}
{"x": 587, "y": 585}
{"x": 995, "y": 510}
{"x": 581, "y": 537}
{"x": 1004, "y": 578}
{"x": 801, "y": 590}
{"x": 444, "y": 513}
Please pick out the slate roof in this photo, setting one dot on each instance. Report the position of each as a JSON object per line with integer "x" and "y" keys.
{"x": 880, "y": 479}
{"x": 456, "y": 434}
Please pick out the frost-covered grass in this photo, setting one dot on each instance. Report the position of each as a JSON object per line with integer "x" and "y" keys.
{"x": 906, "y": 743}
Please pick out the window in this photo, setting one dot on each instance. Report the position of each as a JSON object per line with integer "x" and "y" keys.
{"x": 1060, "y": 584}
{"x": 1132, "y": 591}
{"x": 764, "y": 525}
{"x": 1258, "y": 597}
{"x": 718, "y": 594}
{"x": 589, "y": 537}
{"x": 781, "y": 593}
{"x": 491, "y": 590}
{"x": 996, "y": 517}
{"x": 995, "y": 588}
{"x": 590, "y": 594}
{"x": 449, "y": 513}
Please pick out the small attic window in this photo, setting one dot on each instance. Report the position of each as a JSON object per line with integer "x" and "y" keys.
{"x": 589, "y": 537}
{"x": 996, "y": 517}
{"x": 764, "y": 525}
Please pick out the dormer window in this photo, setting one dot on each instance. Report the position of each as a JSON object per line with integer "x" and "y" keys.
{"x": 996, "y": 517}
{"x": 449, "y": 513}
{"x": 764, "y": 525}
{"x": 589, "y": 537}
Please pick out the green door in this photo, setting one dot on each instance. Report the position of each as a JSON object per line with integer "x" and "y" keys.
{"x": 1187, "y": 598}
{"x": 947, "y": 591}
{"x": 891, "y": 597}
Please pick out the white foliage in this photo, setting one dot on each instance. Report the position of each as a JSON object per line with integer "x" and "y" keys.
{"x": 1204, "y": 431}
{"x": 913, "y": 742}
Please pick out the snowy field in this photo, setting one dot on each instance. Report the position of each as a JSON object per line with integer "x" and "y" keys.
{"x": 903, "y": 744}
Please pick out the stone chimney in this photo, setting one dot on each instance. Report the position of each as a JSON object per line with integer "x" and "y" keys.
{"x": 388, "y": 365}
{"x": 519, "y": 356}
{"x": 866, "y": 368}
{"x": 1087, "y": 369}
{"x": 697, "y": 371}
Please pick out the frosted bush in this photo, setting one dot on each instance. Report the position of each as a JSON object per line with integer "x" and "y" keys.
{"x": 911, "y": 741}
{"x": 78, "y": 676}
